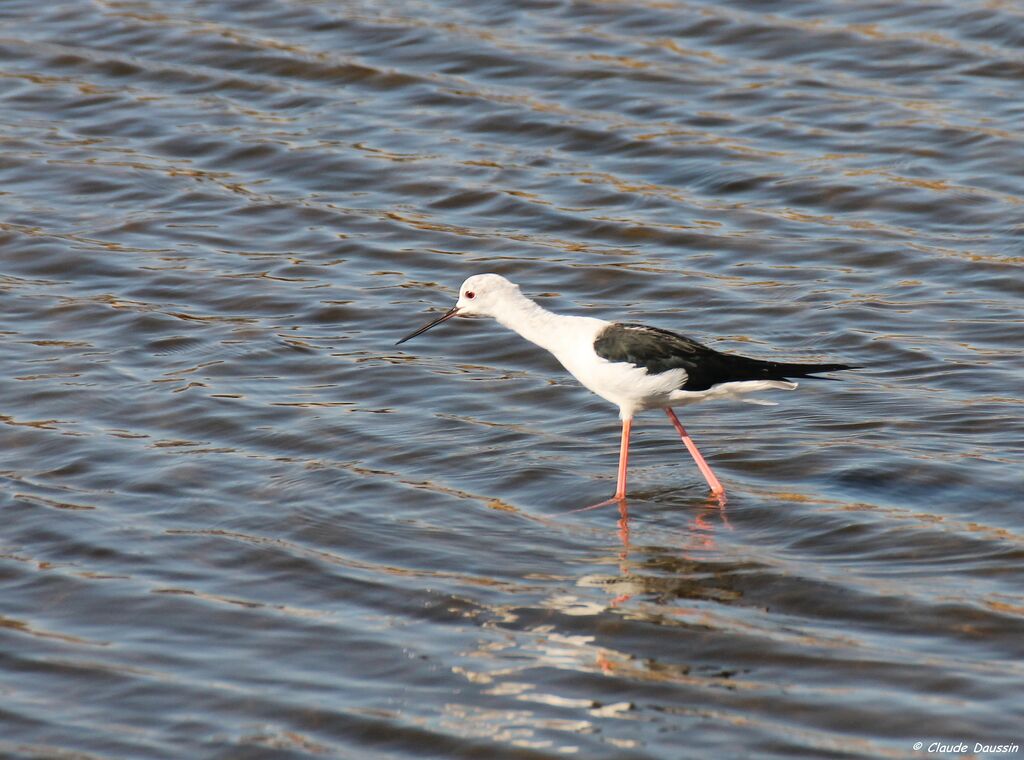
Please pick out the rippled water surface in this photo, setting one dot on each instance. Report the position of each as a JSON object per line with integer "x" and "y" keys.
{"x": 239, "y": 522}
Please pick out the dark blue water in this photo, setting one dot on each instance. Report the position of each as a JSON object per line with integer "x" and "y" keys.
{"x": 238, "y": 522}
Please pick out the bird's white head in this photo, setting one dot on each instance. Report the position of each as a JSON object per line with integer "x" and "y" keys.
{"x": 482, "y": 295}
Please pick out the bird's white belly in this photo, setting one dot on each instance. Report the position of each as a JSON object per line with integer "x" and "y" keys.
{"x": 629, "y": 387}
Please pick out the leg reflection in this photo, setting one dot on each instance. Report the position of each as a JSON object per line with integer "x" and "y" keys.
{"x": 624, "y": 570}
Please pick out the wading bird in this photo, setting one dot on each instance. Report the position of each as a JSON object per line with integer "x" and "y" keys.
{"x": 633, "y": 366}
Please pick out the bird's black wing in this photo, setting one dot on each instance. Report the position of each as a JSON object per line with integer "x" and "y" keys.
{"x": 658, "y": 351}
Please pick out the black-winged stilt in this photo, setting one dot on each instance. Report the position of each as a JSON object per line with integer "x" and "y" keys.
{"x": 633, "y": 366}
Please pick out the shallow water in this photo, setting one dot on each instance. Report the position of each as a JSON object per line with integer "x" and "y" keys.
{"x": 238, "y": 522}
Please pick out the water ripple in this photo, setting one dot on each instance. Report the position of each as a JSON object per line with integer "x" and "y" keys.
{"x": 240, "y": 521}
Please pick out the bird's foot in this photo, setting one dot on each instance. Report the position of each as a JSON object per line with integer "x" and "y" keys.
{"x": 614, "y": 500}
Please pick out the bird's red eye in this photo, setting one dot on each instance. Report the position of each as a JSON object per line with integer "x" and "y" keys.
{"x": 470, "y": 294}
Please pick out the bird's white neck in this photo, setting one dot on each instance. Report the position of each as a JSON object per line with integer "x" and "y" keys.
{"x": 530, "y": 319}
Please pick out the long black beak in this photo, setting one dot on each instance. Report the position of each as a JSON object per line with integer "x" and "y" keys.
{"x": 447, "y": 315}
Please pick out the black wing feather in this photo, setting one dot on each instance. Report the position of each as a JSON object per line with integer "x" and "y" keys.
{"x": 659, "y": 351}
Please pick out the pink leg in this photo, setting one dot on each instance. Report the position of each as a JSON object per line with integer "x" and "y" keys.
{"x": 709, "y": 476}
{"x": 620, "y": 489}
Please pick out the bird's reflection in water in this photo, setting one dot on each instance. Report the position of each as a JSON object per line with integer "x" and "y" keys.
{"x": 699, "y": 537}
{"x": 671, "y": 573}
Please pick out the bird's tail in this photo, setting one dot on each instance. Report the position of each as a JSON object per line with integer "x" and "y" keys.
{"x": 783, "y": 370}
